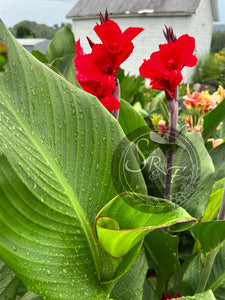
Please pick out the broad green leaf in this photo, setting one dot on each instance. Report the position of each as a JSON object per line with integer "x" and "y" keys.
{"x": 136, "y": 131}
{"x": 61, "y": 51}
{"x": 202, "y": 176}
{"x": 131, "y": 285}
{"x": 217, "y": 277}
{"x": 214, "y": 201}
{"x": 57, "y": 144}
{"x": 149, "y": 292}
{"x": 31, "y": 296}
{"x": 40, "y": 56}
{"x": 208, "y": 295}
{"x": 222, "y": 130}
{"x": 62, "y": 44}
{"x": 129, "y": 118}
{"x": 129, "y": 217}
{"x": 9, "y": 282}
{"x": 61, "y": 54}
{"x": 192, "y": 275}
{"x": 213, "y": 119}
{"x": 163, "y": 249}
{"x": 218, "y": 157}
{"x": 205, "y": 233}
{"x": 142, "y": 112}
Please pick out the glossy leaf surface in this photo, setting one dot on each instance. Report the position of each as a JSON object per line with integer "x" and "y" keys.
{"x": 57, "y": 144}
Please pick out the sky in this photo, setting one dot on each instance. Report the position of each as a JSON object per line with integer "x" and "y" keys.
{"x": 51, "y": 12}
{"x": 47, "y": 12}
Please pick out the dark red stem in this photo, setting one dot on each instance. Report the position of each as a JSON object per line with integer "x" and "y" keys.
{"x": 116, "y": 93}
{"x": 173, "y": 114}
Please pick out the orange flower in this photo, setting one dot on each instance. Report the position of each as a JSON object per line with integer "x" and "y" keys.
{"x": 216, "y": 142}
{"x": 196, "y": 100}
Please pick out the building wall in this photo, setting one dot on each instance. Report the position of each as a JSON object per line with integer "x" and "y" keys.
{"x": 198, "y": 26}
{"x": 35, "y": 44}
{"x": 202, "y": 27}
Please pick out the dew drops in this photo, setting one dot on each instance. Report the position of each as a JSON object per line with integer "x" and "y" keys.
{"x": 48, "y": 272}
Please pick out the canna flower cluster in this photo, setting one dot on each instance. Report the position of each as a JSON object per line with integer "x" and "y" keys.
{"x": 164, "y": 66}
{"x": 198, "y": 105}
{"x": 96, "y": 71}
{"x": 203, "y": 101}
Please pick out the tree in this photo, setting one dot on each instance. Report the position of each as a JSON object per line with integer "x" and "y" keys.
{"x": 218, "y": 41}
{"x": 23, "y": 31}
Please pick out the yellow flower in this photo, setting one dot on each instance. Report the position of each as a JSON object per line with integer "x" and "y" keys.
{"x": 216, "y": 143}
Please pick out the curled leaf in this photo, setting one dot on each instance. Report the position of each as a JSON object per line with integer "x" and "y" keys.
{"x": 129, "y": 217}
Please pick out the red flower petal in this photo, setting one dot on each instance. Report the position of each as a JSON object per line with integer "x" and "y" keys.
{"x": 164, "y": 66}
{"x": 178, "y": 295}
{"x": 78, "y": 49}
{"x": 96, "y": 71}
{"x": 110, "y": 102}
{"x": 110, "y": 34}
{"x": 130, "y": 33}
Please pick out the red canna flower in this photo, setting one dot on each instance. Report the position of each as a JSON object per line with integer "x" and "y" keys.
{"x": 164, "y": 66}
{"x": 95, "y": 66}
{"x": 103, "y": 92}
{"x": 97, "y": 70}
{"x": 178, "y": 295}
{"x": 117, "y": 42}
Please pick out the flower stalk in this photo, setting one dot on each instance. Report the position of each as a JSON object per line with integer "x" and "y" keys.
{"x": 163, "y": 68}
{"x": 116, "y": 94}
{"x": 173, "y": 115}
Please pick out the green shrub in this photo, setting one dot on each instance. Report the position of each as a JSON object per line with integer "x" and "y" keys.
{"x": 207, "y": 69}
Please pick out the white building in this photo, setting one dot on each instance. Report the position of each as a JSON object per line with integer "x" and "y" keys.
{"x": 35, "y": 44}
{"x": 194, "y": 17}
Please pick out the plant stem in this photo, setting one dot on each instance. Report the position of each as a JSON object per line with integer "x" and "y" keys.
{"x": 116, "y": 93}
{"x": 173, "y": 114}
{"x": 207, "y": 270}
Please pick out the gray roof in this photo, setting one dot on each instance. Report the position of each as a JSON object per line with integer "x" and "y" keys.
{"x": 120, "y": 7}
{"x": 32, "y": 42}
